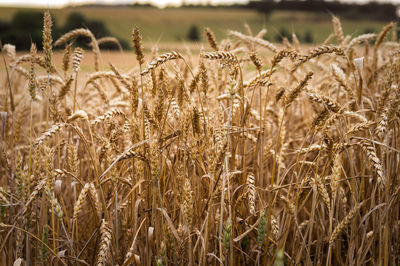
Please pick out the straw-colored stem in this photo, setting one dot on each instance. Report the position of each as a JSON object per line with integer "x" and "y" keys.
{"x": 75, "y": 89}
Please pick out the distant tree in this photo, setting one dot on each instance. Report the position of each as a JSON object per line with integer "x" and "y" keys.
{"x": 193, "y": 34}
{"x": 5, "y": 30}
{"x": 76, "y": 20}
{"x": 4, "y": 26}
{"x": 25, "y": 28}
{"x": 266, "y": 6}
{"x": 98, "y": 28}
{"x": 28, "y": 20}
{"x": 282, "y": 34}
{"x": 308, "y": 37}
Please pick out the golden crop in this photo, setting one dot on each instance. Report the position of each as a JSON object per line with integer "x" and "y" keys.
{"x": 250, "y": 153}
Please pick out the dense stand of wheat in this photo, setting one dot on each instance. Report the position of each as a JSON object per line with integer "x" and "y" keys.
{"x": 249, "y": 154}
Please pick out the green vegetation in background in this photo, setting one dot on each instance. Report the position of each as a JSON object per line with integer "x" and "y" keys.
{"x": 193, "y": 34}
{"x": 374, "y": 10}
{"x": 173, "y": 25}
{"x": 26, "y": 27}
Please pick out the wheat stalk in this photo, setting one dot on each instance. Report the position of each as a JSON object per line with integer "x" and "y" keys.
{"x": 251, "y": 193}
{"x": 105, "y": 244}
{"x": 321, "y": 50}
{"x": 137, "y": 44}
{"x": 296, "y": 91}
{"x": 110, "y": 39}
{"x": 211, "y": 38}
{"x": 47, "y": 39}
{"x": 161, "y": 60}
{"x": 344, "y": 223}
{"x": 337, "y": 27}
{"x": 254, "y": 40}
{"x": 375, "y": 161}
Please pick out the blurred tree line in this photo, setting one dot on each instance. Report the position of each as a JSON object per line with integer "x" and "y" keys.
{"x": 26, "y": 28}
{"x": 354, "y": 10}
{"x": 194, "y": 35}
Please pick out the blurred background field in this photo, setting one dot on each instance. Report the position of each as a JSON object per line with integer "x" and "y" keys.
{"x": 184, "y": 25}
{"x": 181, "y": 28}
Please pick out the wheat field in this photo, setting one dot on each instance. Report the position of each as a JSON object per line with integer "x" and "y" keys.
{"x": 244, "y": 153}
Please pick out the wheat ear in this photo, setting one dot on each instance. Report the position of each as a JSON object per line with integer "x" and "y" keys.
{"x": 344, "y": 223}
{"x": 105, "y": 244}
{"x": 161, "y": 60}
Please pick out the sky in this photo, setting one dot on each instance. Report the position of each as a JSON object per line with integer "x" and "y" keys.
{"x": 61, "y": 3}
{"x": 160, "y": 3}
